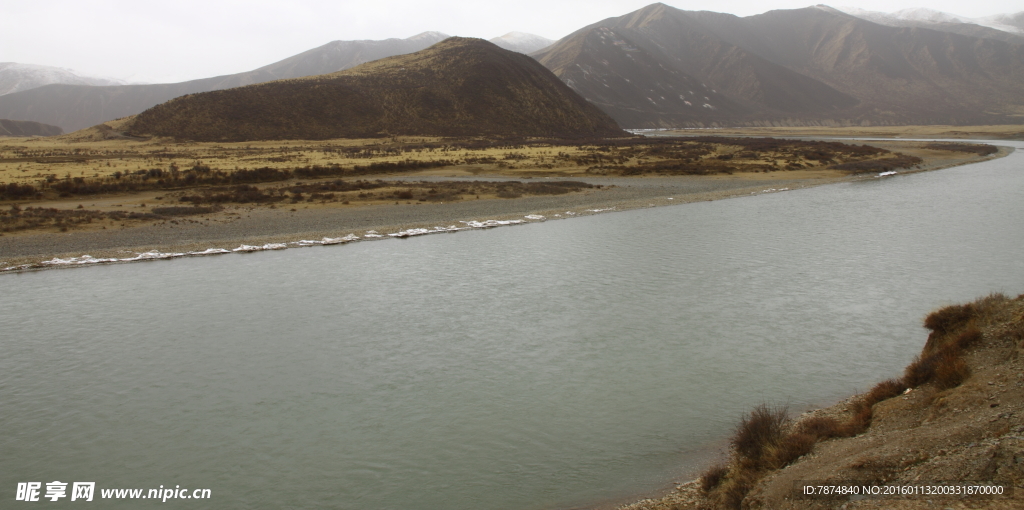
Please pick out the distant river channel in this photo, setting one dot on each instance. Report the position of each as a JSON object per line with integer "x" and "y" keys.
{"x": 553, "y": 365}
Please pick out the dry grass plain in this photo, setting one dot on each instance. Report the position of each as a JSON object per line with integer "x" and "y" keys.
{"x": 99, "y": 152}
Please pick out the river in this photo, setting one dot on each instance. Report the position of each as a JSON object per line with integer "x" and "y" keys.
{"x": 544, "y": 366}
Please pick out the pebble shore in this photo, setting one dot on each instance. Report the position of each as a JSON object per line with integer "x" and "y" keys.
{"x": 261, "y": 226}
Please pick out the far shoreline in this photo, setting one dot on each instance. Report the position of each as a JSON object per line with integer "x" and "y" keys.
{"x": 262, "y": 229}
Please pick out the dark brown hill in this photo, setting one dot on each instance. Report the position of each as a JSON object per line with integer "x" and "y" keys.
{"x": 75, "y": 107}
{"x": 789, "y": 67}
{"x": 27, "y": 128}
{"x": 458, "y": 87}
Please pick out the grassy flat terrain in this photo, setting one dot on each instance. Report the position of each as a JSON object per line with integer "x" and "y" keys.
{"x": 89, "y": 181}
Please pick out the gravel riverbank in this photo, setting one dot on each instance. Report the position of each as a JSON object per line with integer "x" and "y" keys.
{"x": 260, "y": 226}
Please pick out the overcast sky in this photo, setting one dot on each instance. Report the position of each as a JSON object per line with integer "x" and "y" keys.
{"x": 167, "y": 41}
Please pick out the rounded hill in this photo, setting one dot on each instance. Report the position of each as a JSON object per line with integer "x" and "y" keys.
{"x": 457, "y": 87}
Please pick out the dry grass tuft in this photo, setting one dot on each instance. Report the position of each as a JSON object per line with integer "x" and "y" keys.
{"x": 949, "y": 318}
{"x": 791, "y": 447}
{"x": 967, "y": 338}
{"x": 886, "y": 390}
{"x": 759, "y": 432}
{"x": 732, "y": 491}
{"x": 821, "y": 427}
{"x": 713, "y": 477}
{"x": 860, "y": 421}
{"x": 951, "y": 371}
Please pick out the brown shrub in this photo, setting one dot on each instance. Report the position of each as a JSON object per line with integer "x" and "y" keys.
{"x": 947, "y": 368}
{"x": 886, "y": 390}
{"x": 821, "y": 427}
{"x": 730, "y": 494}
{"x": 919, "y": 371}
{"x": 860, "y": 420}
{"x": 713, "y": 477}
{"x": 790, "y": 448}
{"x": 968, "y": 337}
{"x": 950, "y": 318}
{"x": 759, "y": 431}
{"x": 950, "y": 371}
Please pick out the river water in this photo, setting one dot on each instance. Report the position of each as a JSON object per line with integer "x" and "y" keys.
{"x": 551, "y": 365}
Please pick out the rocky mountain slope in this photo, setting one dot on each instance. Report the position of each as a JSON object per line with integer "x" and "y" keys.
{"x": 458, "y": 87}
{"x": 664, "y": 67}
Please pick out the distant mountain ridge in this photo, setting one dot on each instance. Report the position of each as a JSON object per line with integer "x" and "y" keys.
{"x": 458, "y": 87}
{"x": 15, "y": 77}
{"x": 27, "y": 128}
{"x": 75, "y": 107}
{"x": 663, "y": 67}
{"x": 1012, "y": 23}
{"x": 1004, "y": 27}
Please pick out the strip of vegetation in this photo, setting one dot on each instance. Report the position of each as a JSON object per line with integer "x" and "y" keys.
{"x": 16, "y": 218}
{"x": 971, "y": 148}
{"x": 198, "y": 175}
{"x": 328, "y": 191}
{"x": 628, "y": 156}
{"x": 767, "y": 440}
{"x": 879, "y": 165}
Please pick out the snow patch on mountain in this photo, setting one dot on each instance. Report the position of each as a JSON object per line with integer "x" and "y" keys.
{"x": 522, "y": 42}
{"x": 429, "y": 36}
{"x": 1012, "y": 23}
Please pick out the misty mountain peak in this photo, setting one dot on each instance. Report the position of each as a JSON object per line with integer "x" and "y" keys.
{"x": 522, "y": 42}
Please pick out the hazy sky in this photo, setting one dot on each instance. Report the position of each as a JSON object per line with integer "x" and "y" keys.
{"x": 167, "y": 41}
